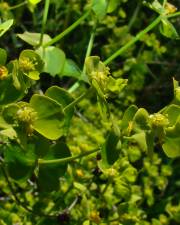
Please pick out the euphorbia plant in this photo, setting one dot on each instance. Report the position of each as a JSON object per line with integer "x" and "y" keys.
{"x": 33, "y": 132}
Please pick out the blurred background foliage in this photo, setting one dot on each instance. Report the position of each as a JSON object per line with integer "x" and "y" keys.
{"x": 136, "y": 190}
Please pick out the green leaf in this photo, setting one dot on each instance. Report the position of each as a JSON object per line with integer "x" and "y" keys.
{"x": 128, "y": 116}
{"x": 150, "y": 143}
{"x": 140, "y": 139}
{"x": 54, "y": 59}
{"x": 3, "y": 123}
{"x": 63, "y": 98}
{"x": 172, "y": 112}
{"x": 103, "y": 108}
{"x": 176, "y": 99}
{"x": 9, "y": 112}
{"x": 175, "y": 84}
{"x": 3, "y": 57}
{"x": 34, "y": 2}
{"x": 156, "y": 6}
{"x": 49, "y": 174}
{"x": 109, "y": 152}
{"x": 33, "y": 38}
{"x": 71, "y": 70}
{"x": 171, "y": 144}
{"x": 30, "y": 64}
{"x": 20, "y": 164}
{"x": 9, "y": 133}
{"x": 5, "y": 26}
{"x": 141, "y": 120}
{"x": 20, "y": 82}
{"x": 168, "y": 30}
{"x": 112, "y": 5}
{"x": 50, "y": 117}
{"x": 9, "y": 93}
{"x": 100, "y": 8}
{"x": 116, "y": 85}
{"x": 42, "y": 145}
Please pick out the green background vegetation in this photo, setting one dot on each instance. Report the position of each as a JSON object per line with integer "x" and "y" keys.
{"x": 137, "y": 189}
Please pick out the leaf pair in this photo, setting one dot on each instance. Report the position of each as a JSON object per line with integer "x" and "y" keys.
{"x": 55, "y": 61}
{"x": 166, "y": 27}
{"x": 21, "y": 164}
{"x": 50, "y": 119}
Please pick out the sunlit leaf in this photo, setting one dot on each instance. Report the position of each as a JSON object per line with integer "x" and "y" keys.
{"x": 34, "y": 38}
{"x": 168, "y": 30}
{"x": 54, "y": 59}
{"x": 100, "y": 8}
{"x": 50, "y": 117}
{"x": 171, "y": 144}
{"x": 63, "y": 98}
{"x": 3, "y": 56}
{"x": 5, "y": 26}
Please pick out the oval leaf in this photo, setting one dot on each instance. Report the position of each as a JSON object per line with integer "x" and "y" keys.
{"x": 34, "y": 38}
{"x": 5, "y": 26}
{"x": 54, "y": 59}
{"x": 50, "y": 117}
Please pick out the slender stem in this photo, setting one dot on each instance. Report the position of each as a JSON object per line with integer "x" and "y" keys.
{"x": 90, "y": 44}
{"x": 72, "y": 104}
{"x": 88, "y": 53}
{"x": 67, "y": 31}
{"x": 17, "y": 6}
{"x": 68, "y": 159}
{"x": 74, "y": 87}
{"x": 135, "y": 14}
{"x": 134, "y": 40}
{"x": 45, "y": 15}
{"x": 173, "y": 15}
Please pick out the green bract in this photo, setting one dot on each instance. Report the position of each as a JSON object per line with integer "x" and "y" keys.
{"x": 30, "y": 64}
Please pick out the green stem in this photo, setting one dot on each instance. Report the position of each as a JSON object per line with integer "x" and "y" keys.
{"x": 46, "y": 9}
{"x": 67, "y": 31}
{"x": 72, "y": 104}
{"x": 88, "y": 53}
{"x": 68, "y": 159}
{"x": 134, "y": 40}
{"x": 173, "y": 15}
{"x": 135, "y": 14}
{"x": 17, "y": 6}
{"x": 74, "y": 87}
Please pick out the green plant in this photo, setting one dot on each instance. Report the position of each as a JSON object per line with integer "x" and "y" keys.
{"x": 33, "y": 132}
